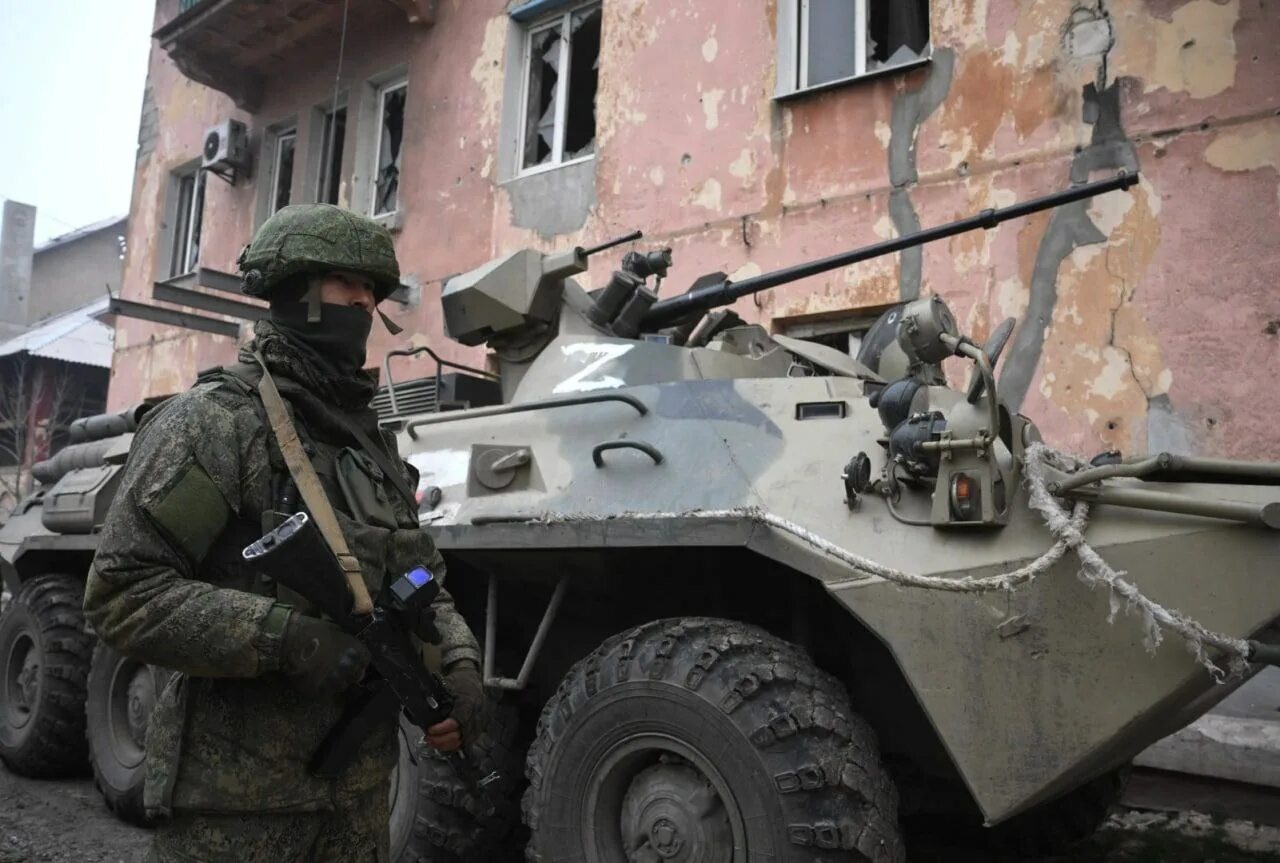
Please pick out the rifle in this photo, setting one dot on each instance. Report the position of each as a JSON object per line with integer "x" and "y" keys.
{"x": 295, "y": 555}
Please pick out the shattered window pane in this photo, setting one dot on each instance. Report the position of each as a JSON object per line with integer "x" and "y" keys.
{"x": 285, "y": 146}
{"x": 195, "y": 221}
{"x": 335, "y": 133}
{"x": 545, "y": 57}
{"x": 846, "y": 38}
{"x": 584, "y": 67}
{"x": 898, "y": 32}
{"x": 563, "y": 68}
{"x": 188, "y": 213}
{"x": 390, "y": 136}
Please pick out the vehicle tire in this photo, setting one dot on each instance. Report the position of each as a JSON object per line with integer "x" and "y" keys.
{"x": 122, "y": 693}
{"x": 708, "y": 740}
{"x": 449, "y": 823}
{"x": 44, "y": 665}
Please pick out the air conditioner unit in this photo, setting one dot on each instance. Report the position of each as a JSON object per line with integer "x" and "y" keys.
{"x": 226, "y": 149}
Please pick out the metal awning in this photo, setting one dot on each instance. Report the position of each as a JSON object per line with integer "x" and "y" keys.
{"x": 73, "y": 337}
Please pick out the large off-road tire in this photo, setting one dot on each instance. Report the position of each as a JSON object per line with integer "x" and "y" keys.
{"x": 707, "y": 740}
{"x": 451, "y": 822}
{"x": 44, "y": 665}
{"x": 122, "y": 693}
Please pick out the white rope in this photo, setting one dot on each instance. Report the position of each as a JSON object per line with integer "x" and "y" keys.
{"x": 1067, "y": 528}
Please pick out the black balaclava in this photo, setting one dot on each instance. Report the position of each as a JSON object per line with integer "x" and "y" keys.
{"x": 339, "y": 336}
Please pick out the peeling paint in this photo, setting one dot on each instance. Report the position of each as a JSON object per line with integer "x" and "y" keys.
{"x": 743, "y": 167}
{"x": 707, "y": 195}
{"x": 486, "y": 71}
{"x": 1191, "y": 53}
{"x": 711, "y": 107}
{"x": 711, "y": 47}
{"x": 1246, "y": 150}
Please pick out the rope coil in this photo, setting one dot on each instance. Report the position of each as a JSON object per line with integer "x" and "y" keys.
{"x": 1067, "y": 527}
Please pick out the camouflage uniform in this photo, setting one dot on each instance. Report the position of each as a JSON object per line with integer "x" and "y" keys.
{"x": 230, "y": 734}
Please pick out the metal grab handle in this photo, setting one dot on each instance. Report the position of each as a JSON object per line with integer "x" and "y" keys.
{"x": 597, "y": 454}
{"x": 1267, "y": 654}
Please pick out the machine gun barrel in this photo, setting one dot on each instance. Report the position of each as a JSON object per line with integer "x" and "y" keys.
{"x": 722, "y": 293}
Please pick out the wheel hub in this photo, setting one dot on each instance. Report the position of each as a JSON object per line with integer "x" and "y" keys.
{"x": 141, "y": 698}
{"x": 20, "y": 688}
{"x": 671, "y": 812}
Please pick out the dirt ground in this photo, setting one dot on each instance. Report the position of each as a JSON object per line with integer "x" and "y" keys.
{"x": 66, "y": 822}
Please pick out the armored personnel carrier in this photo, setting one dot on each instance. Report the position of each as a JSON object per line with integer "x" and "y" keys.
{"x": 753, "y": 598}
{"x": 742, "y": 596}
{"x": 65, "y": 698}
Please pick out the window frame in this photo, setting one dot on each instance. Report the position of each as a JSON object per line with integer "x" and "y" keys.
{"x": 793, "y": 51}
{"x": 381, "y": 91}
{"x": 328, "y": 114}
{"x": 184, "y": 255}
{"x": 564, "y": 18}
{"x": 273, "y": 193}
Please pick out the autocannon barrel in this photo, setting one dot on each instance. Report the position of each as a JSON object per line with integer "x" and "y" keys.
{"x": 723, "y": 293}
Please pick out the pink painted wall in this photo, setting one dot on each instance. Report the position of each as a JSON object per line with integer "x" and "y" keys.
{"x": 1163, "y": 333}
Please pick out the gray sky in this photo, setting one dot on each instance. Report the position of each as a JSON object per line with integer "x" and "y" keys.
{"x": 71, "y": 79}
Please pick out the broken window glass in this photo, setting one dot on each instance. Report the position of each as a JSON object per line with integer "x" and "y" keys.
{"x": 543, "y": 99}
{"x": 335, "y": 133}
{"x": 188, "y": 214}
{"x": 841, "y": 39}
{"x": 282, "y": 182}
{"x": 390, "y": 137}
{"x": 562, "y": 72}
{"x": 584, "y": 68}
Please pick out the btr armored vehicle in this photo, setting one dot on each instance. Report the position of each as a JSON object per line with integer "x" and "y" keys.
{"x": 753, "y": 598}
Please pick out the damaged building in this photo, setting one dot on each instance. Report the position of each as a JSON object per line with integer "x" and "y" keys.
{"x": 787, "y": 130}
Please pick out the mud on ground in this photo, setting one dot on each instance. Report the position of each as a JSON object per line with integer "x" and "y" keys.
{"x": 65, "y": 821}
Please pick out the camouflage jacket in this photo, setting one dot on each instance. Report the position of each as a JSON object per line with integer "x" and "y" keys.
{"x": 168, "y": 586}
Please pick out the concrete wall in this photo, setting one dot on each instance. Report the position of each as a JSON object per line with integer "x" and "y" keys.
{"x": 1147, "y": 320}
{"x": 17, "y": 234}
{"x": 69, "y": 273}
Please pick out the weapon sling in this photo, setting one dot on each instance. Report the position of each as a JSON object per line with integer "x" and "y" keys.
{"x": 313, "y": 495}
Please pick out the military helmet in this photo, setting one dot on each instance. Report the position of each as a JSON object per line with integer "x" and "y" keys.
{"x": 315, "y": 238}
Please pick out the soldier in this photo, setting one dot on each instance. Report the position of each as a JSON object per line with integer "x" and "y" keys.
{"x": 260, "y": 676}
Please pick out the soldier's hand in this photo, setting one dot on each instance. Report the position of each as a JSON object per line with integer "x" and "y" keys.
{"x": 445, "y": 736}
{"x": 320, "y": 657}
{"x": 470, "y": 706}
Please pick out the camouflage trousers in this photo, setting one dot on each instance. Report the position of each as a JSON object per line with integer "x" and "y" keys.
{"x": 357, "y": 834}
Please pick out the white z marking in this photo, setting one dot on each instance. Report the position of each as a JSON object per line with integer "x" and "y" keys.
{"x": 601, "y": 355}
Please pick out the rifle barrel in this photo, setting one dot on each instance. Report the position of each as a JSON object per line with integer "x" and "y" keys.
{"x": 723, "y": 293}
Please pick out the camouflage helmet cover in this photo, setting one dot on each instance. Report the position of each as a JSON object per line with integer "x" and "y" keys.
{"x": 315, "y": 238}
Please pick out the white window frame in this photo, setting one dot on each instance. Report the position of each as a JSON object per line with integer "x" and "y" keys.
{"x": 273, "y": 199}
{"x": 328, "y": 138}
{"x": 185, "y": 254}
{"x": 793, "y": 50}
{"x": 565, "y": 19}
{"x": 400, "y": 83}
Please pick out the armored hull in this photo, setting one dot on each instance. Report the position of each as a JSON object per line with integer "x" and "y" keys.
{"x": 1031, "y": 691}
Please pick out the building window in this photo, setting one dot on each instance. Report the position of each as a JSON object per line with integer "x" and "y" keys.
{"x": 386, "y": 189}
{"x": 333, "y": 137}
{"x": 561, "y": 70}
{"x": 188, "y": 215}
{"x": 843, "y": 332}
{"x": 282, "y": 171}
{"x": 823, "y": 43}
